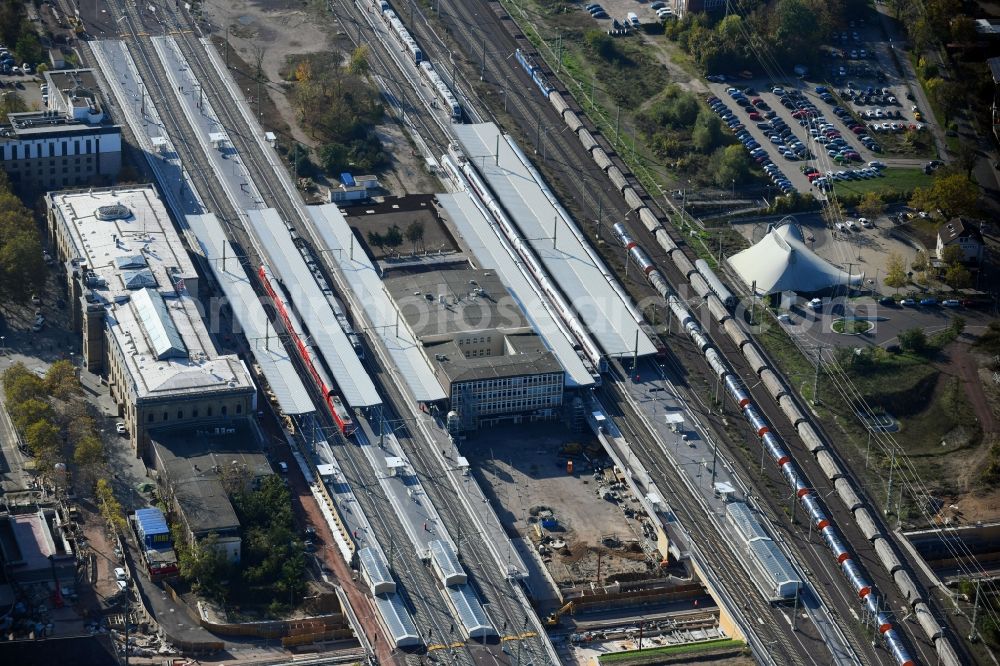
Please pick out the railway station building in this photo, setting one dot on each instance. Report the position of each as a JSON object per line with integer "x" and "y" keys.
{"x": 72, "y": 141}
{"x": 485, "y": 354}
{"x": 133, "y": 292}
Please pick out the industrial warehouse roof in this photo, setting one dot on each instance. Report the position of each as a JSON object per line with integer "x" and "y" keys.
{"x": 269, "y": 354}
{"x": 155, "y": 319}
{"x": 579, "y": 275}
{"x": 781, "y": 261}
{"x": 313, "y": 308}
{"x": 364, "y": 280}
{"x": 493, "y": 252}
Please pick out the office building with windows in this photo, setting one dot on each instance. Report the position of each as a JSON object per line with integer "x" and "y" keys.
{"x": 491, "y": 363}
{"x": 72, "y": 141}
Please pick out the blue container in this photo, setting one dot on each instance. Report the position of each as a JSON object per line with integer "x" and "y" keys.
{"x": 152, "y": 528}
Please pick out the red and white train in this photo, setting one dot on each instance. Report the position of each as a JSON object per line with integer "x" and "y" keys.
{"x": 308, "y": 353}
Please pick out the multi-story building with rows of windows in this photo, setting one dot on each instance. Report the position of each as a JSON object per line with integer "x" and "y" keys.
{"x": 72, "y": 141}
{"x": 134, "y": 296}
{"x": 490, "y": 361}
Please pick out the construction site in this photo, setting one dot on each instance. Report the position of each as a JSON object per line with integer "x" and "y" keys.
{"x": 559, "y": 492}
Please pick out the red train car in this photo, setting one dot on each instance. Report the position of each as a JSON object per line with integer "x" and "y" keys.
{"x": 309, "y": 355}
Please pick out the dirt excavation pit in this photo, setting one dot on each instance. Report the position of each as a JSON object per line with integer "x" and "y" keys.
{"x": 524, "y": 470}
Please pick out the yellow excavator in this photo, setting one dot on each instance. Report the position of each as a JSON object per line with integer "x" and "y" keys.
{"x": 552, "y": 619}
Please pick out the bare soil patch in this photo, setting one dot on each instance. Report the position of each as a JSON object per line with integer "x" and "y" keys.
{"x": 527, "y": 476}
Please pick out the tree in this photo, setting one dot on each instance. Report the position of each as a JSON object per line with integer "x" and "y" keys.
{"x": 12, "y": 102}
{"x": 204, "y": 564}
{"x": 359, "y": 61}
{"x": 89, "y": 453}
{"x": 61, "y": 381}
{"x": 966, "y": 158}
{"x": 895, "y": 272}
{"x": 415, "y": 234}
{"x": 24, "y": 387}
{"x": 333, "y": 157}
{"x": 958, "y": 276}
{"x": 30, "y": 411}
{"x": 919, "y": 261}
{"x": 963, "y": 30}
{"x": 111, "y": 508}
{"x": 871, "y": 205}
{"x": 376, "y": 239}
{"x": 952, "y": 255}
{"x": 43, "y": 440}
{"x": 733, "y": 166}
{"x": 913, "y": 340}
{"x": 393, "y": 237}
{"x": 706, "y": 135}
{"x": 945, "y": 95}
{"x": 957, "y": 325}
{"x": 21, "y": 263}
{"x": 951, "y": 193}
{"x": 29, "y": 48}
{"x": 898, "y": 6}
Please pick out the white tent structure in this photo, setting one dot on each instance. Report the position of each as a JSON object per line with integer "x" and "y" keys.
{"x": 781, "y": 262}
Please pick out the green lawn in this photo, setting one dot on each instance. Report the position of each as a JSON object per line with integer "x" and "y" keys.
{"x": 896, "y": 181}
{"x": 640, "y": 656}
{"x": 852, "y": 326}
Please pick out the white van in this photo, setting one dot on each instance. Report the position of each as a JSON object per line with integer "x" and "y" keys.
{"x": 632, "y": 19}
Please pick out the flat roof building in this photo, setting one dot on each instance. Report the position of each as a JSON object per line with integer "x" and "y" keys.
{"x": 483, "y": 350}
{"x": 134, "y": 294}
{"x": 34, "y": 548}
{"x": 191, "y": 465}
{"x": 72, "y": 141}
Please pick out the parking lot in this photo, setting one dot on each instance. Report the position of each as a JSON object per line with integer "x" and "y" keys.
{"x": 863, "y": 73}
{"x": 606, "y": 12}
{"x": 836, "y": 123}
{"x": 27, "y": 87}
{"x": 786, "y": 131}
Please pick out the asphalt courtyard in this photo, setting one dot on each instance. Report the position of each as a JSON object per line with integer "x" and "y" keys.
{"x": 815, "y": 328}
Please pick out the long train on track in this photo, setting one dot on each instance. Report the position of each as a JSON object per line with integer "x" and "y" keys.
{"x": 774, "y": 447}
{"x": 307, "y": 352}
{"x": 416, "y": 54}
{"x": 719, "y": 301}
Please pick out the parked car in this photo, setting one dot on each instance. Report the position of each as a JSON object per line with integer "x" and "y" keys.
{"x": 120, "y": 428}
{"x": 816, "y": 304}
{"x": 908, "y": 302}
{"x": 928, "y": 301}
{"x": 120, "y": 574}
{"x": 951, "y": 303}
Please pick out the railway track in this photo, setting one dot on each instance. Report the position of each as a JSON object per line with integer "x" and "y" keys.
{"x": 759, "y": 616}
{"x": 495, "y": 590}
{"x": 572, "y": 158}
{"x": 423, "y": 587}
{"x": 419, "y": 586}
